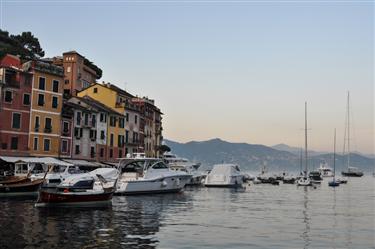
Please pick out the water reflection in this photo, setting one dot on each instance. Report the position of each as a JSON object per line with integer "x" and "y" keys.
{"x": 131, "y": 222}
{"x": 306, "y": 219}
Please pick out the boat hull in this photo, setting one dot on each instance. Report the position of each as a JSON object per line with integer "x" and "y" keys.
{"x": 223, "y": 185}
{"x": 352, "y": 174}
{"x": 54, "y": 198}
{"x": 171, "y": 184}
{"x": 21, "y": 189}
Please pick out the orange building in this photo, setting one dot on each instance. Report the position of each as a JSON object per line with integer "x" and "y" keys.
{"x": 46, "y": 105}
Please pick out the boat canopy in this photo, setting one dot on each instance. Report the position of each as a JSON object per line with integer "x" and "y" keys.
{"x": 225, "y": 169}
{"x": 76, "y": 162}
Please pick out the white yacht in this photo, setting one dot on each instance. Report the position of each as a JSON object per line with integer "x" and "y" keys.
{"x": 141, "y": 175}
{"x": 224, "y": 175}
{"x": 183, "y": 164}
{"x": 325, "y": 170}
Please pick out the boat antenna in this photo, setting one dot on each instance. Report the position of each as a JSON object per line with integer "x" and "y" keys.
{"x": 305, "y": 138}
{"x": 348, "y": 132}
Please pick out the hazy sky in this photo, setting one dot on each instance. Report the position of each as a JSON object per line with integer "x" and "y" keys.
{"x": 238, "y": 70}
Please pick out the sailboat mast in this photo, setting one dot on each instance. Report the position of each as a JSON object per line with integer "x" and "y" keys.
{"x": 300, "y": 161}
{"x": 334, "y": 156}
{"x": 348, "y": 131}
{"x": 305, "y": 138}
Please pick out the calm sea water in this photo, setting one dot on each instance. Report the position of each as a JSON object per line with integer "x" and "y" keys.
{"x": 260, "y": 216}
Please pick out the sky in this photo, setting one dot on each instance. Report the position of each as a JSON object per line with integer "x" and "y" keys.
{"x": 238, "y": 70}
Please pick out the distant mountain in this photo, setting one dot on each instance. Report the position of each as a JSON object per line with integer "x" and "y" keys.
{"x": 253, "y": 156}
{"x": 295, "y": 150}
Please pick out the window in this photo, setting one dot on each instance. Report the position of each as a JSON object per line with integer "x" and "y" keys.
{"x": 121, "y": 122}
{"x": 68, "y": 69}
{"x": 47, "y": 144}
{"x": 126, "y": 136}
{"x": 120, "y": 153}
{"x": 26, "y": 99}
{"x": 78, "y": 118}
{"x": 92, "y": 151}
{"x": 16, "y": 121}
{"x": 42, "y": 83}
{"x": 93, "y": 120}
{"x": 103, "y": 117}
{"x": 112, "y": 121}
{"x": 14, "y": 143}
{"x": 40, "y": 99}
{"x": 37, "y": 123}
{"x": 8, "y": 96}
{"x": 55, "y": 102}
{"x": 86, "y": 119}
{"x": 77, "y": 149}
{"x": 93, "y": 135}
{"x": 110, "y": 153}
{"x": 65, "y": 127}
{"x": 55, "y": 86}
{"x": 120, "y": 140}
{"x": 111, "y": 140}
{"x": 101, "y": 152}
{"x": 48, "y": 125}
{"x": 102, "y": 134}
{"x": 127, "y": 117}
{"x": 35, "y": 146}
{"x": 135, "y": 119}
{"x": 95, "y": 90}
{"x": 66, "y": 82}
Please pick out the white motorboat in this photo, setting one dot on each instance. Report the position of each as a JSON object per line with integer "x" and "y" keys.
{"x": 183, "y": 164}
{"x": 88, "y": 189}
{"x": 143, "y": 175}
{"x": 224, "y": 175}
{"x": 325, "y": 170}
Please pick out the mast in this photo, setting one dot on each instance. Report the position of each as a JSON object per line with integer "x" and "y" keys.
{"x": 348, "y": 113}
{"x": 305, "y": 138}
{"x": 334, "y": 156}
{"x": 300, "y": 161}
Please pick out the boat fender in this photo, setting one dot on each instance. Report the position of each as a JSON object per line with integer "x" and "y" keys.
{"x": 164, "y": 183}
{"x": 66, "y": 190}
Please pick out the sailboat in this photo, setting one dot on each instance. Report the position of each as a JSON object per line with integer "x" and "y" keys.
{"x": 305, "y": 180}
{"x": 334, "y": 183}
{"x": 351, "y": 171}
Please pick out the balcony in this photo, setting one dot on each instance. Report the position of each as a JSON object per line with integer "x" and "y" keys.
{"x": 48, "y": 129}
{"x": 120, "y": 105}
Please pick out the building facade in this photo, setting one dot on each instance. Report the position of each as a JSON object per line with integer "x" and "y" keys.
{"x": 15, "y": 102}
{"x": 46, "y": 106}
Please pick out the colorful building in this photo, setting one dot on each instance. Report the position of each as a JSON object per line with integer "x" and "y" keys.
{"x": 15, "y": 93}
{"x": 79, "y": 72}
{"x": 46, "y": 106}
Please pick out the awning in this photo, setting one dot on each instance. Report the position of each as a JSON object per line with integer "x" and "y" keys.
{"x": 77, "y": 162}
{"x": 42, "y": 160}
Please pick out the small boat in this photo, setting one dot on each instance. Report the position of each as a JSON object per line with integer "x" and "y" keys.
{"x": 342, "y": 180}
{"x": 351, "y": 171}
{"x": 289, "y": 179}
{"x": 305, "y": 180}
{"x": 24, "y": 188}
{"x": 315, "y": 177}
{"x": 334, "y": 182}
{"x": 141, "y": 175}
{"x": 224, "y": 175}
{"x": 14, "y": 179}
{"x": 183, "y": 164}
{"x": 324, "y": 170}
{"x": 90, "y": 189}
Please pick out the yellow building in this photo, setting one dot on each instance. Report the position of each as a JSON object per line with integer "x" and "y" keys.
{"x": 116, "y": 124}
{"x": 46, "y": 104}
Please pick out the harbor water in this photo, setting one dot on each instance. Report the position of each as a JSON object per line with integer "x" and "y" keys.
{"x": 258, "y": 216}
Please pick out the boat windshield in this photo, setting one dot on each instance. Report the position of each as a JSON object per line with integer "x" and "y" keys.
{"x": 159, "y": 165}
{"x": 136, "y": 167}
{"x": 59, "y": 169}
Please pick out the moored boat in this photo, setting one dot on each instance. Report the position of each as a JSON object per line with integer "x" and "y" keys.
{"x": 147, "y": 176}
{"x": 305, "y": 180}
{"x": 324, "y": 170}
{"x": 25, "y": 188}
{"x": 334, "y": 182}
{"x": 90, "y": 189}
{"x": 224, "y": 175}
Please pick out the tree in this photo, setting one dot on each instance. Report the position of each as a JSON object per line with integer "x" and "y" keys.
{"x": 26, "y": 45}
{"x": 164, "y": 148}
